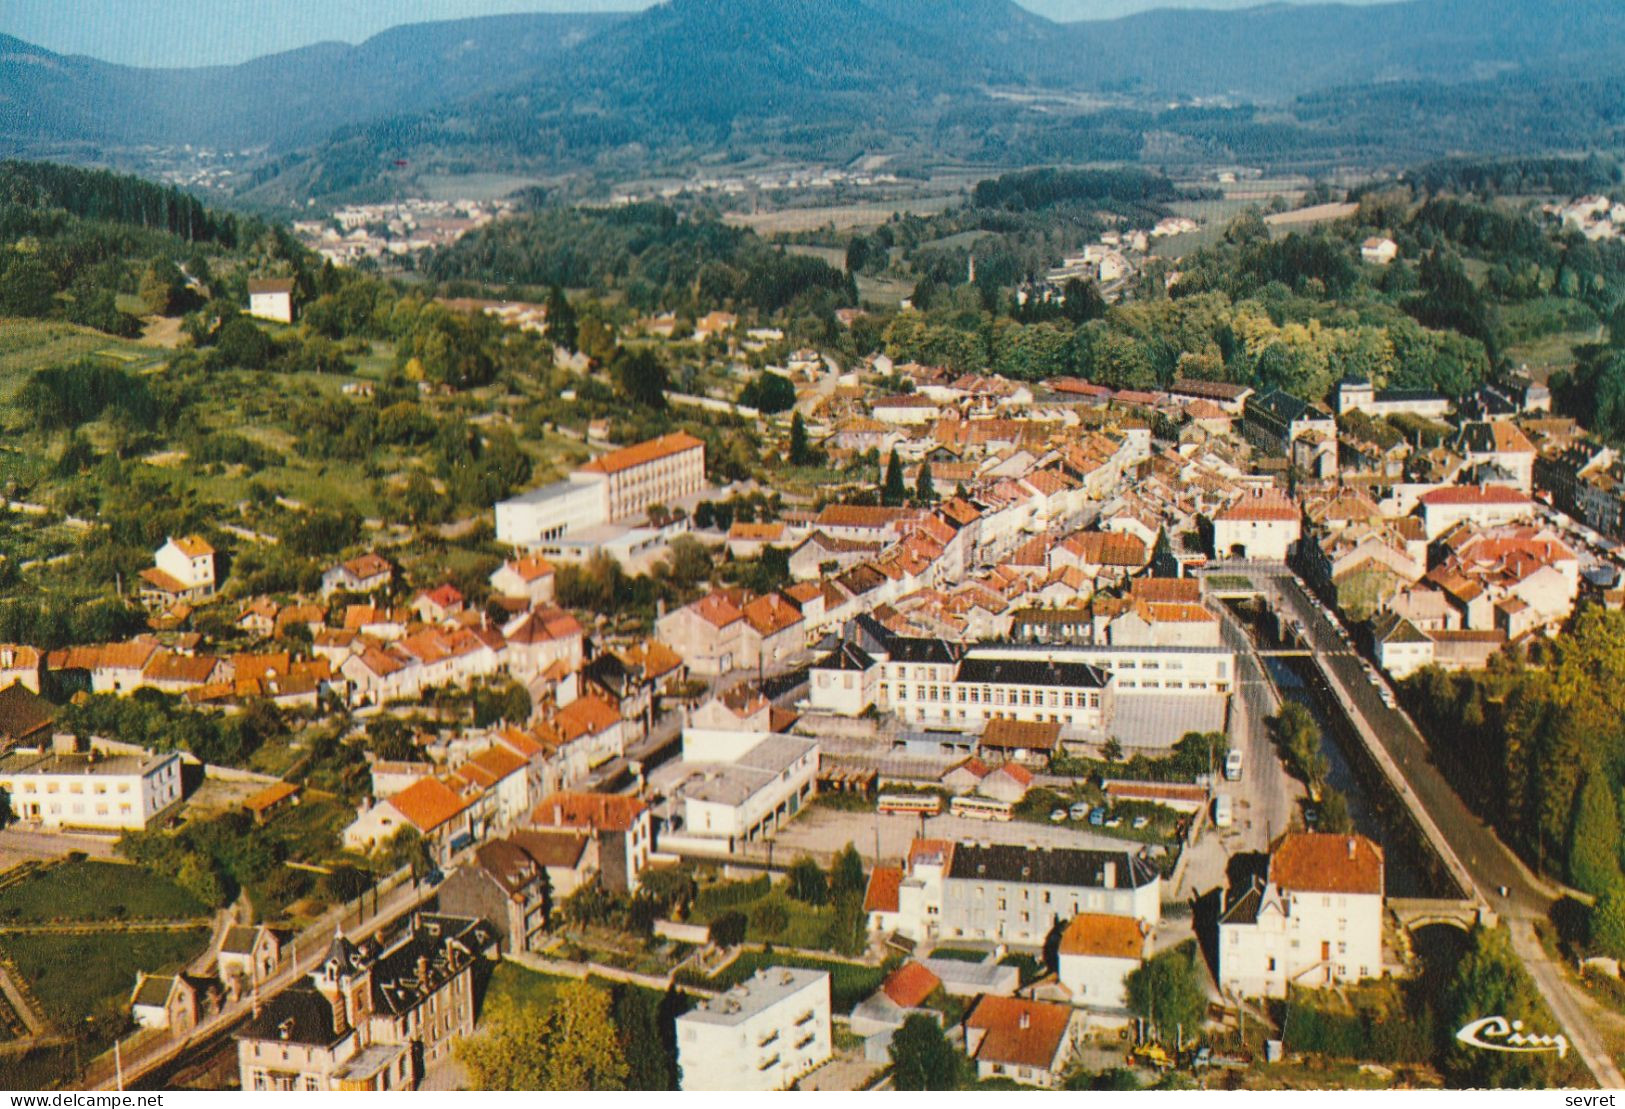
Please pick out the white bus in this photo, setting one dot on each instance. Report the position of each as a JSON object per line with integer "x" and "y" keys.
{"x": 982, "y": 808}
{"x": 927, "y": 803}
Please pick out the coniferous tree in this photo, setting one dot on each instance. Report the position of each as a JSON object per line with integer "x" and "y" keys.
{"x": 1593, "y": 863}
{"x": 893, "y": 491}
{"x": 924, "y": 491}
{"x": 800, "y": 449}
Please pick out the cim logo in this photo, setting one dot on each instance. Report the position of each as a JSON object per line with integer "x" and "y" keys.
{"x": 1500, "y": 1034}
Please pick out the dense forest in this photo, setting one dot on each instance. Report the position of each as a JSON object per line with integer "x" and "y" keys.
{"x": 653, "y": 256}
{"x": 1536, "y": 745}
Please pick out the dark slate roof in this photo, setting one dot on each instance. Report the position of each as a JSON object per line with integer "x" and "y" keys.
{"x": 1283, "y": 406}
{"x": 297, "y": 1015}
{"x": 23, "y": 713}
{"x": 239, "y": 939}
{"x": 901, "y": 648}
{"x": 447, "y": 944}
{"x": 154, "y": 990}
{"x": 1050, "y": 866}
{"x": 1031, "y": 671}
{"x": 1244, "y": 909}
{"x": 608, "y": 671}
{"x": 846, "y": 656}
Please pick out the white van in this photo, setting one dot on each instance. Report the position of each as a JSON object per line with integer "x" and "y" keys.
{"x": 1232, "y": 765}
{"x": 1223, "y": 815}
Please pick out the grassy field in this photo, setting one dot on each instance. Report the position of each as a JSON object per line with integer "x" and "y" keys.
{"x": 92, "y": 975}
{"x": 849, "y": 983}
{"x": 843, "y": 217}
{"x": 521, "y": 985}
{"x": 93, "y": 890}
{"x": 807, "y": 925}
{"x": 29, "y": 345}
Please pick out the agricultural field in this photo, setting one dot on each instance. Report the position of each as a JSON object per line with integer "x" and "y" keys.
{"x": 29, "y": 345}
{"x": 92, "y": 974}
{"x": 93, "y": 890}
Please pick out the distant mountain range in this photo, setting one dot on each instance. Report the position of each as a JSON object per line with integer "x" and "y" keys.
{"x": 279, "y": 100}
{"x": 974, "y": 78}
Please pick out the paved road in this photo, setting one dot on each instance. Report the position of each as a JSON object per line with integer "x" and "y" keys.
{"x": 1272, "y": 795}
{"x": 1489, "y": 864}
{"x": 23, "y": 843}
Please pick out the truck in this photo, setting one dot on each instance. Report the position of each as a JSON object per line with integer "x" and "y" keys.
{"x": 1232, "y": 765}
{"x": 1223, "y": 812}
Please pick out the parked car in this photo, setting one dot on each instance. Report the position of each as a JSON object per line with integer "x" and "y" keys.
{"x": 1080, "y": 810}
{"x": 1057, "y": 816}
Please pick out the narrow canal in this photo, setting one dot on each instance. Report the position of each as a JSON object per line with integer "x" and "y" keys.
{"x": 1412, "y": 867}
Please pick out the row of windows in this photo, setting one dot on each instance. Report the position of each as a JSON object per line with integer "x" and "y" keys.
{"x": 31, "y": 785}
{"x": 997, "y": 695}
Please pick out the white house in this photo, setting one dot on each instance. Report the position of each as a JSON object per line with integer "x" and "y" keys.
{"x": 1097, "y": 954}
{"x": 271, "y": 299}
{"x": 1484, "y": 505}
{"x": 1379, "y": 251}
{"x": 526, "y": 579}
{"x": 67, "y": 788}
{"x": 1261, "y": 524}
{"x": 183, "y": 570}
{"x": 761, "y": 1035}
{"x": 1030, "y": 1042}
{"x": 1315, "y": 921}
{"x": 743, "y": 785}
{"x": 1012, "y": 893}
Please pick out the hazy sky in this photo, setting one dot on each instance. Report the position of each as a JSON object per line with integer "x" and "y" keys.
{"x": 212, "y": 32}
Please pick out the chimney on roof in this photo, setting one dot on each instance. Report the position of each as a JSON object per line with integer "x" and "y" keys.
{"x": 1351, "y": 847}
{"x": 1109, "y": 876}
{"x": 1025, "y": 1020}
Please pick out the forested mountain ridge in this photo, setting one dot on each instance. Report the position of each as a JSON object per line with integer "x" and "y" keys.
{"x": 298, "y": 96}
{"x": 833, "y": 79}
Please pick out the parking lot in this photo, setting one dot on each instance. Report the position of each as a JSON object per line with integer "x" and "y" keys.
{"x": 821, "y": 831}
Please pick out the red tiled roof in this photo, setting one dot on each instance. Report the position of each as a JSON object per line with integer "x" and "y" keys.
{"x": 1103, "y": 936}
{"x": 641, "y": 453}
{"x": 909, "y": 985}
{"x": 1021, "y": 734}
{"x": 575, "y": 809}
{"x": 1261, "y": 505}
{"x": 1474, "y": 494}
{"x": 428, "y": 803}
{"x": 1016, "y": 773}
{"x": 716, "y": 609}
{"x": 368, "y": 565}
{"x": 771, "y": 614}
{"x": 1323, "y": 862}
{"x": 1166, "y": 590}
{"x": 881, "y": 896}
{"x": 861, "y": 516}
{"x": 1019, "y": 1032}
{"x": 269, "y": 796}
{"x": 531, "y": 568}
{"x": 193, "y": 546}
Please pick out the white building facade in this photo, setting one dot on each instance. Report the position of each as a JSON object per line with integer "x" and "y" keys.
{"x": 762, "y": 1035}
